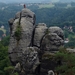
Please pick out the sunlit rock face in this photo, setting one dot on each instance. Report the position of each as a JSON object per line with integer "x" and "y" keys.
{"x": 30, "y": 44}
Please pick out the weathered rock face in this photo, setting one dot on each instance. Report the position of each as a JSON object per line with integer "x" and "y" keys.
{"x": 29, "y": 44}
{"x": 53, "y": 39}
{"x": 40, "y": 31}
{"x": 11, "y": 23}
{"x": 30, "y": 60}
{"x": 57, "y": 30}
{"x": 26, "y": 20}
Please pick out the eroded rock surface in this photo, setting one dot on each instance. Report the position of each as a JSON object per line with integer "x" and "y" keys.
{"x": 23, "y": 19}
{"x": 30, "y": 44}
{"x": 40, "y": 31}
{"x": 53, "y": 39}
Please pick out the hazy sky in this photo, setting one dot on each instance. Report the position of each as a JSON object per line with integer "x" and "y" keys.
{"x": 27, "y": 0}
{"x": 35, "y": 1}
{"x": 21, "y": 0}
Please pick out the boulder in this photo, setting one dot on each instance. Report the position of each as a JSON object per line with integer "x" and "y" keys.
{"x": 57, "y": 30}
{"x": 51, "y": 42}
{"x": 53, "y": 39}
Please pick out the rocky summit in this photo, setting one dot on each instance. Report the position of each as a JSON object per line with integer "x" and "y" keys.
{"x": 31, "y": 46}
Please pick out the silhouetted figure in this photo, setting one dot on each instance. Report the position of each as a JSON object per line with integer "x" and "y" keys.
{"x": 24, "y": 6}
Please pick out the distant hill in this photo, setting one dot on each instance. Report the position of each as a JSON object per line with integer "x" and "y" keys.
{"x": 67, "y": 1}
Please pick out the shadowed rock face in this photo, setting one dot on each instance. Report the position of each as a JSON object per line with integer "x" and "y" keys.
{"x": 29, "y": 43}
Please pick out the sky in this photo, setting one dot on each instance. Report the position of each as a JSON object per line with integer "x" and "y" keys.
{"x": 20, "y": 1}
{"x": 33, "y": 1}
{"x": 27, "y": 0}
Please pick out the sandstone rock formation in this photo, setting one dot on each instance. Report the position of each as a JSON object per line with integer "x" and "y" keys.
{"x": 53, "y": 39}
{"x": 40, "y": 31}
{"x": 30, "y": 43}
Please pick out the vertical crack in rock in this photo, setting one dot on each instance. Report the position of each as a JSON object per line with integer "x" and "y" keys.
{"x": 32, "y": 40}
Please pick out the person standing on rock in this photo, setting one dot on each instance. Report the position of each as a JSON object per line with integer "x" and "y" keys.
{"x": 24, "y": 6}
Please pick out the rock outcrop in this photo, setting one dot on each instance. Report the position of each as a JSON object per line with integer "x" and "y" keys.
{"x": 30, "y": 43}
{"x": 40, "y": 31}
{"x": 53, "y": 39}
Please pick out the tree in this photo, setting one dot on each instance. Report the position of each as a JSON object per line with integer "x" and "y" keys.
{"x": 5, "y": 65}
{"x": 67, "y": 66}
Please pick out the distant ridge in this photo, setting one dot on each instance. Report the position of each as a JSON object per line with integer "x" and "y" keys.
{"x": 67, "y": 1}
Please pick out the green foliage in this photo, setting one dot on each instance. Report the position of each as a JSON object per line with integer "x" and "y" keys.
{"x": 48, "y": 56}
{"x": 47, "y": 31}
{"x": 9, "y": 70}
{"x": 4, "y": 60}
{"x": 57, "y": 15}
{"x": 46, "y": 6}
{"x": 71, "y": 37}
{"x": 67, "y": 59}
{"x": 18, "y": 32}
{"x": 5, "y": 41}
{"x": 1, "y": 33}
{"x": 5, "y": 65}
{"x": 52, "y": 16}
